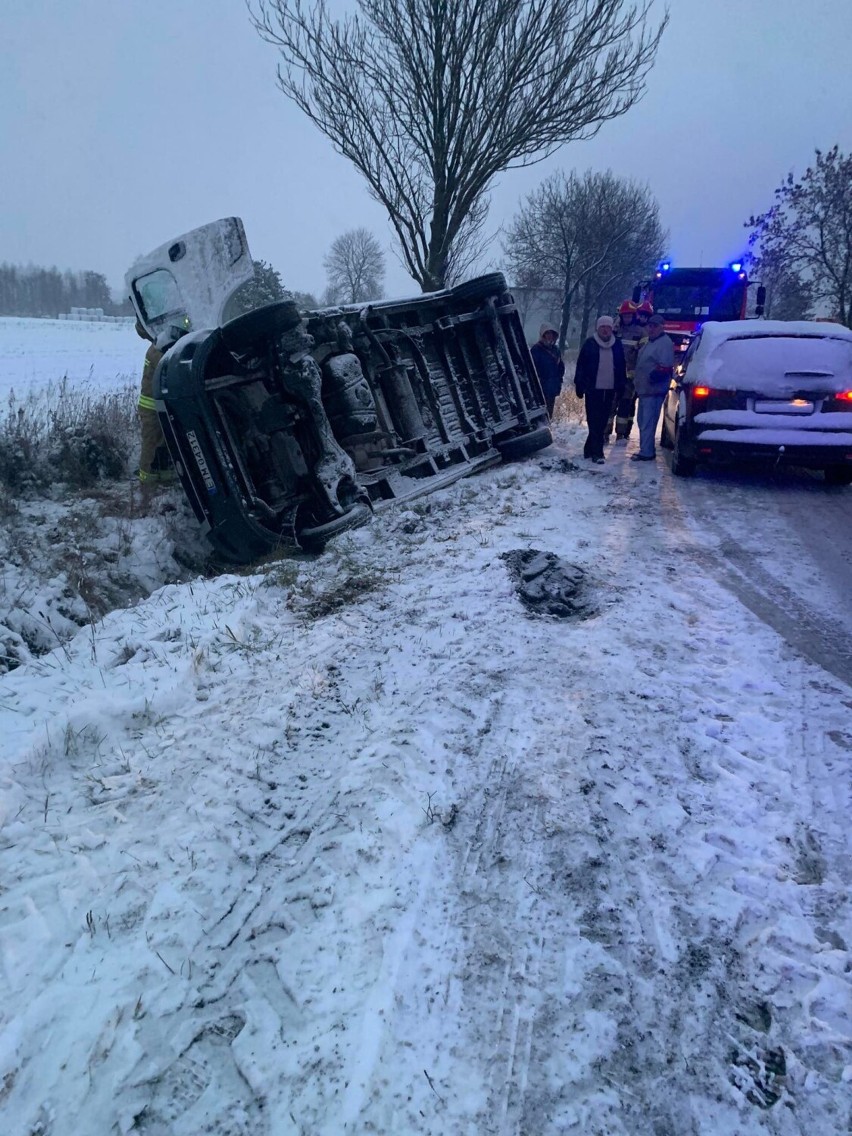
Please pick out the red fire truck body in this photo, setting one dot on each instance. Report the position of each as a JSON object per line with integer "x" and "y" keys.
{"x": 688, "y": 297}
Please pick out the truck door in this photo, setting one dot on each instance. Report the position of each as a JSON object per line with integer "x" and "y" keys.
{"x": 188, "y": 281}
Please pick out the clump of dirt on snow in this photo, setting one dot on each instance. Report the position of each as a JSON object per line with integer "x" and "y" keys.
{"x": 548, "y": 585}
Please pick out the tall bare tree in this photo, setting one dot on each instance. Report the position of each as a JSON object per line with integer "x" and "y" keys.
{"x": 355, "y": 267}
{"x": 807, "y": 233}
{"x": 430, "y": 99}
{"x": 592, "y": 236}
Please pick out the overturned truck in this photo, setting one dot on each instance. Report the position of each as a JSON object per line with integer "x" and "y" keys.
{"x": 288, "y": 427}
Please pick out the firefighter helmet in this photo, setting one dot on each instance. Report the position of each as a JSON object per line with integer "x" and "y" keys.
{"x": 646, "y": 308}
{"x": 628, "y": 308}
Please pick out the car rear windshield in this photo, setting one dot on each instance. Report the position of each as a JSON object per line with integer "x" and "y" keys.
{"x": 779, "y": 364}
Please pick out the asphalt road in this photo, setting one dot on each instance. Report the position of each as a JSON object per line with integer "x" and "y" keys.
{"x": 782, "y": 543}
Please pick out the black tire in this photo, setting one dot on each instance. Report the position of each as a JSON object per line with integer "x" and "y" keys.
{"x": 838, "y": 475}
{"x": 513, "y": 449}
{"x": 315, "y": 537}
{"x": 665, "y": 438}
{"x": 681, "y": 466}
{"x": 481, "y": 287}
{"x": 247, "y": 332}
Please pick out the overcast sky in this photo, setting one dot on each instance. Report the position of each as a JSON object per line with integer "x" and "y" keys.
{"x": 124, "y": 123}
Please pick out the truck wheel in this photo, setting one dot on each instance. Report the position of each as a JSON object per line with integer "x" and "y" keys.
{"x": 838, "y": 475}
{"x": 316, "y": 537}
{"x": 481, "y": 287}
{"x": 681, "y": 466}
{"x": 513, "y": 449}
{"x": 247, "y": 332}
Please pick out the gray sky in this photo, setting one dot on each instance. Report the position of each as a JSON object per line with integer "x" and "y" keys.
{"x": 124, "y": 123}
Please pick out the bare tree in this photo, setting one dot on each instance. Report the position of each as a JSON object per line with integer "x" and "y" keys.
{"x": 592, "y": 236}
{"x": 430, "y": 99}
{"x": 807, "y": 234}
{"x": 355, "y": 267}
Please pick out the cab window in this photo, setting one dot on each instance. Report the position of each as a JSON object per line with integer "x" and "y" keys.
{"x": 158, "y": 294}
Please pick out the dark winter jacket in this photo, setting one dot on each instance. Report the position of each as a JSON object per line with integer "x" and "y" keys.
{"x": 550, "y": 368}
{"x": 587, "y": 367}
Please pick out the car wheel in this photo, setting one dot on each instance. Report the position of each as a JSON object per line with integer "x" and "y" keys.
{"x": 314, "y": 538}
{"x": 681, "y": 466}
{"x": 513, "y": 449}
{"x": 494, "y": 284}
{"x": 665, "y": 437}
{"x": 246, "y": 332}
{"x": 838, "y": 475}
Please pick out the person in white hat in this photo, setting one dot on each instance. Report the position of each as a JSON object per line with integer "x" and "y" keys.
{"x": 600, "y": 379}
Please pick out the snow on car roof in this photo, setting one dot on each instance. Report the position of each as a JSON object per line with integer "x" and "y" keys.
{"x": 779, "y": 358}
{"x": 714, "y": 333}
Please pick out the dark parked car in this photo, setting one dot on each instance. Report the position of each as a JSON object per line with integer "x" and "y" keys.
{"x": 763, "y": 391}
{"x": 288, "y": 427}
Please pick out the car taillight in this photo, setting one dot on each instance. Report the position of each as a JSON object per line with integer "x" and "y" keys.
{"x": 841, "y": 400}
{"x": 701, "y": 392}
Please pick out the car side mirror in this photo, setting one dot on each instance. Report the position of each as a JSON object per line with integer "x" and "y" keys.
{"x": 760, "y": 306}
{"x": 637, "y": 295}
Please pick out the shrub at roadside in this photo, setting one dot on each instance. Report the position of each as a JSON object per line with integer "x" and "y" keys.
{"x": 73, "y": 436}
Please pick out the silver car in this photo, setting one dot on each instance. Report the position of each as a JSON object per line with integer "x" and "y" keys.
{"x": 763, "y": 391}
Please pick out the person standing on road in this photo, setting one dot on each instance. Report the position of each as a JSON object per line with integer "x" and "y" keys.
{"x": 600, "y": 379}
{"x": 632, "y": 329}
{"x": 548, "y": 364}
{"x": 654, "y": 369}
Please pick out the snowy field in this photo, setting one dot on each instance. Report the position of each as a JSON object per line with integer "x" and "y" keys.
{"x": 36, "y": 354}
{"x": 355, "y": 845}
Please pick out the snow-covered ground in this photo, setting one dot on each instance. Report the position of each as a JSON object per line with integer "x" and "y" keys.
{"x": 69, "y": 557}
{"x": 35, "y": 354}
{"x": 356, "y": 845}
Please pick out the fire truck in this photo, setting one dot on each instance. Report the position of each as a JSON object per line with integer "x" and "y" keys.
{"x": 689, "y": 297}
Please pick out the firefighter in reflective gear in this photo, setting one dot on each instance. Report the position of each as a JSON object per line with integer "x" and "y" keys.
{"x": 154, "y": 462}
{"x": 631, "y": 329}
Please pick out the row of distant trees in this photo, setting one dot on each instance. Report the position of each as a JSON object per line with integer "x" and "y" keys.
{"x": 34, "y": 291}
{"x": 581, "y": 240}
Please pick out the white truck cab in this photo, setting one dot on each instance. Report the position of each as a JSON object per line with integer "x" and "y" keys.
{"x": 187, "y": 283}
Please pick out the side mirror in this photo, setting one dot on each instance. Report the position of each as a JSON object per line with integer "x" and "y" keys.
{"x": 637, "y": 294}
{"x": 760, "y": 306}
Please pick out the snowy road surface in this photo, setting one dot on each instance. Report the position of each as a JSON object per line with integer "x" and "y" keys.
{"x": 356, "y": 845}
{"x": 783, "y": 544}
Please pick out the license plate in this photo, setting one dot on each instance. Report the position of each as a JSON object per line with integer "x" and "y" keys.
{"x": 779, "y": 406}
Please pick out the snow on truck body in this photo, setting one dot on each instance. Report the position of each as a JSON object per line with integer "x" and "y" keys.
{"x": 288, "y": 427}
{"x": 764, "y": 390}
